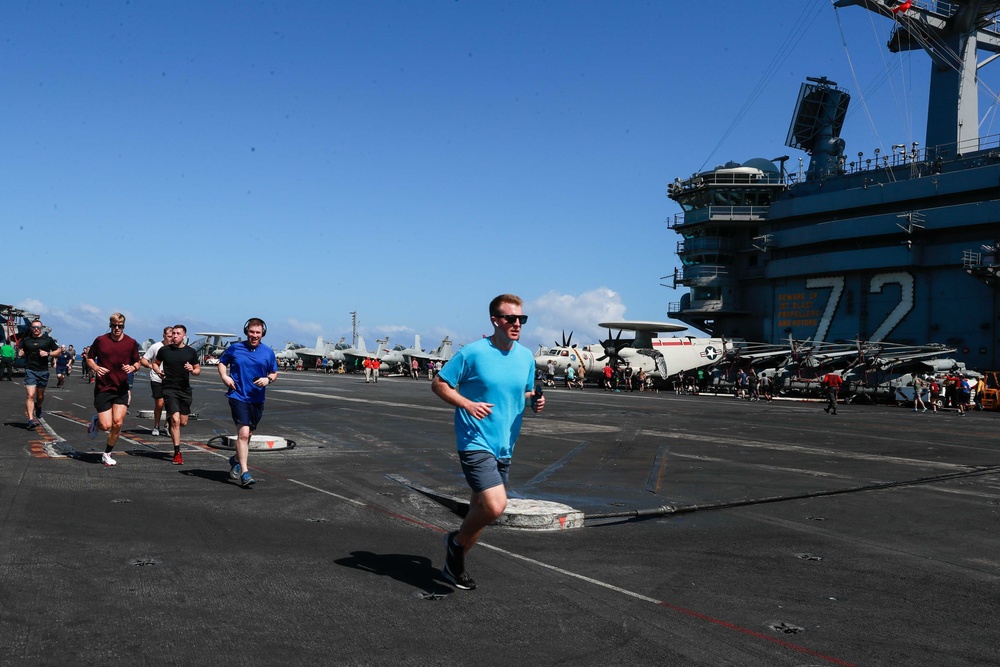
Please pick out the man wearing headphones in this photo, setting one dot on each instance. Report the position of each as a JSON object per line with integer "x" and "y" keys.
{"x": 246, "y": 368}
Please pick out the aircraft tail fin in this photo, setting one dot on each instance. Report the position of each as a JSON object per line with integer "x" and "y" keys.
{"x": 444, "y": 350}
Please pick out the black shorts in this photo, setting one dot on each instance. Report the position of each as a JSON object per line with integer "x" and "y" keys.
{"x": 103, "y": 400}
{"x": 246, "y": 414}
{"x": 177, "y": 400}
{"x": 157, "y": 389}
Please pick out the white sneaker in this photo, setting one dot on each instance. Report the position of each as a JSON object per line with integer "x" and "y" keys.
{"x": 156, "y": 431}
{"x": 107, "y": 460}
{"x": 92, "y": 429}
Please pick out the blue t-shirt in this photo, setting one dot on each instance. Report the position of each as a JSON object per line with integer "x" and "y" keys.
{"x": 246, "y": 364}
{"x": 482, "y": 373}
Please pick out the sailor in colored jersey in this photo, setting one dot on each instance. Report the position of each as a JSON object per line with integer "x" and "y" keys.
{"x": 175, "y": 363}
{"x": 488, "y": 382}
{"x": 113, "y": 356}
{"x": 38, "y": 350}
{"x": 246, "y": 368}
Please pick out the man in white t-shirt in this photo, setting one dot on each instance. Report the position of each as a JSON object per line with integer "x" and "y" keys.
{"x": 155, "y": 381}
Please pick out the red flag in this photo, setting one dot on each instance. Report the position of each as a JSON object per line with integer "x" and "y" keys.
{"x": 903, "y": 7}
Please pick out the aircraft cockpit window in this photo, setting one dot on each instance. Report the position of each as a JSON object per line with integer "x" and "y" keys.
{"x": 564, "y": 353}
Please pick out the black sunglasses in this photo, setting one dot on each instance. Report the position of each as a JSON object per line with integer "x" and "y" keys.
{"x": 510, "y": 319}
{"x": 117, "y": 326}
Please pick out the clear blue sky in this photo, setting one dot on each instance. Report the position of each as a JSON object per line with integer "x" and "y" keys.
{"x": 202, "y": 162}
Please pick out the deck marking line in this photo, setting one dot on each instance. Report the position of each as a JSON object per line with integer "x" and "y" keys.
{"x": 659, "y": 465}
{"x": 672, "y": 607}
{"x": 544, "y": 474}
{"x": 596, "y": 582}
{"x": 351, "y": 399}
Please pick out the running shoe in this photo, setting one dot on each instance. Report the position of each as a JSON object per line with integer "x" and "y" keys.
{"x": 107, "y": 460}
{"x": 454, "y": 564}
{"x": 92, "y": 429}
{"x": 234, "y": 468}
{"x": 178, "y": 459}
{"x": 155, "y": 431}
{"x": 246, "y": 481}
{"x": 32, "y": 424}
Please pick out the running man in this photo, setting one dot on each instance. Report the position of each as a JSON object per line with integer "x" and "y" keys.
{"x": 155, "y": 379}
{"x": 246, "y": 368}
{"x": 176, "y": 363}
{"x": 488, "y": 382}
{"x": 37, "y": 349}
{"x": 62, "y": 367}
{"x": 113, "y": 356}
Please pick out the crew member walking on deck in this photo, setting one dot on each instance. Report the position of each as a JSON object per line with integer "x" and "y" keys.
{"x": 7, "y": 354}
{"x": 488, "y": 382}
{"x": 246, "y": 368}
{"x": 113, "y": 356}
{"x": 37, "y": 349}
{"x": 832, "y": 382}
{"x": 918, "y": 390}
{"x": 176, "y": 363}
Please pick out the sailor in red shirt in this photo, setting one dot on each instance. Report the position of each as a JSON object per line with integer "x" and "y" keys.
{"x": 832, "y": 382}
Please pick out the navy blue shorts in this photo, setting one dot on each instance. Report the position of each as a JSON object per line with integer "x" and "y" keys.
{"x": 483, "y": 470}
{"x": 36, "y": 378}
{"x": 246, "y": 414}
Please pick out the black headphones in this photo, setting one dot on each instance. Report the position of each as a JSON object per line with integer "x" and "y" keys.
{"x": 246, "y": 326}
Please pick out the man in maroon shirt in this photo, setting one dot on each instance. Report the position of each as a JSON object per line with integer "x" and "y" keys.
{"x": 112, "y": 358}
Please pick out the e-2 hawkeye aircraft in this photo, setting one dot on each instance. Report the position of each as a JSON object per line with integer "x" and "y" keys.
{"x": 661, "y": 357}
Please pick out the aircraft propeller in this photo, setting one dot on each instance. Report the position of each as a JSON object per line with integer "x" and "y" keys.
{"x": 612, "y": 346}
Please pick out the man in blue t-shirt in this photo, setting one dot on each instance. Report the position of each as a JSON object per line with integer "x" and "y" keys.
{"x": 488, "y": 382}
{"x": 246, "y": 367}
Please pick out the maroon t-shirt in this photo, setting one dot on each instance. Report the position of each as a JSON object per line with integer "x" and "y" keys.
{"x": 113, "y": 355}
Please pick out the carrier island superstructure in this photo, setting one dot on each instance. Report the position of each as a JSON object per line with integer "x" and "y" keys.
{"x": 896, "y": 246}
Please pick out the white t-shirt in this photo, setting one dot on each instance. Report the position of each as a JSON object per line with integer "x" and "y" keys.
{"x": 150, "y": 356}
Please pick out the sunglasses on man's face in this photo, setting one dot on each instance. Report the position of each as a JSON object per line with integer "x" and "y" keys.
{"x": 510, "y": 319}
{"x": 117, "y": 326}
{"x": 36, "y": 328}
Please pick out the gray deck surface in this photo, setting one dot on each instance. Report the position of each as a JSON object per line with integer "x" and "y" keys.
{"x": 328, "y": 561}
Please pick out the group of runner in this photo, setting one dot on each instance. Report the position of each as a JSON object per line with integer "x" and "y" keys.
{"x": 246, "y": 368}
{"x": 488, "y": 383}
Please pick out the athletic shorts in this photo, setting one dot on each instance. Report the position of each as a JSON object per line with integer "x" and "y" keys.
{"x": 483, "y": 470}
{"x": 105, "y": 399}
{"x": 157, "y": 389}
{"x": 36, "y": 378}
{"x": 246, "y": 414}
{"x": 177, "y": 400}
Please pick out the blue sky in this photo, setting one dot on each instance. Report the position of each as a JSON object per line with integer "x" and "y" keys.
{"x": 202, "y": 162}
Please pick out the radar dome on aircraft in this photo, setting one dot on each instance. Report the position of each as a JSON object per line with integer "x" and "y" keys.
{"x": 763, "y": 164}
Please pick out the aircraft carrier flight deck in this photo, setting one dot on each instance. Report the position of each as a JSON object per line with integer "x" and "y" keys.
{"x": 715, "y": 532}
